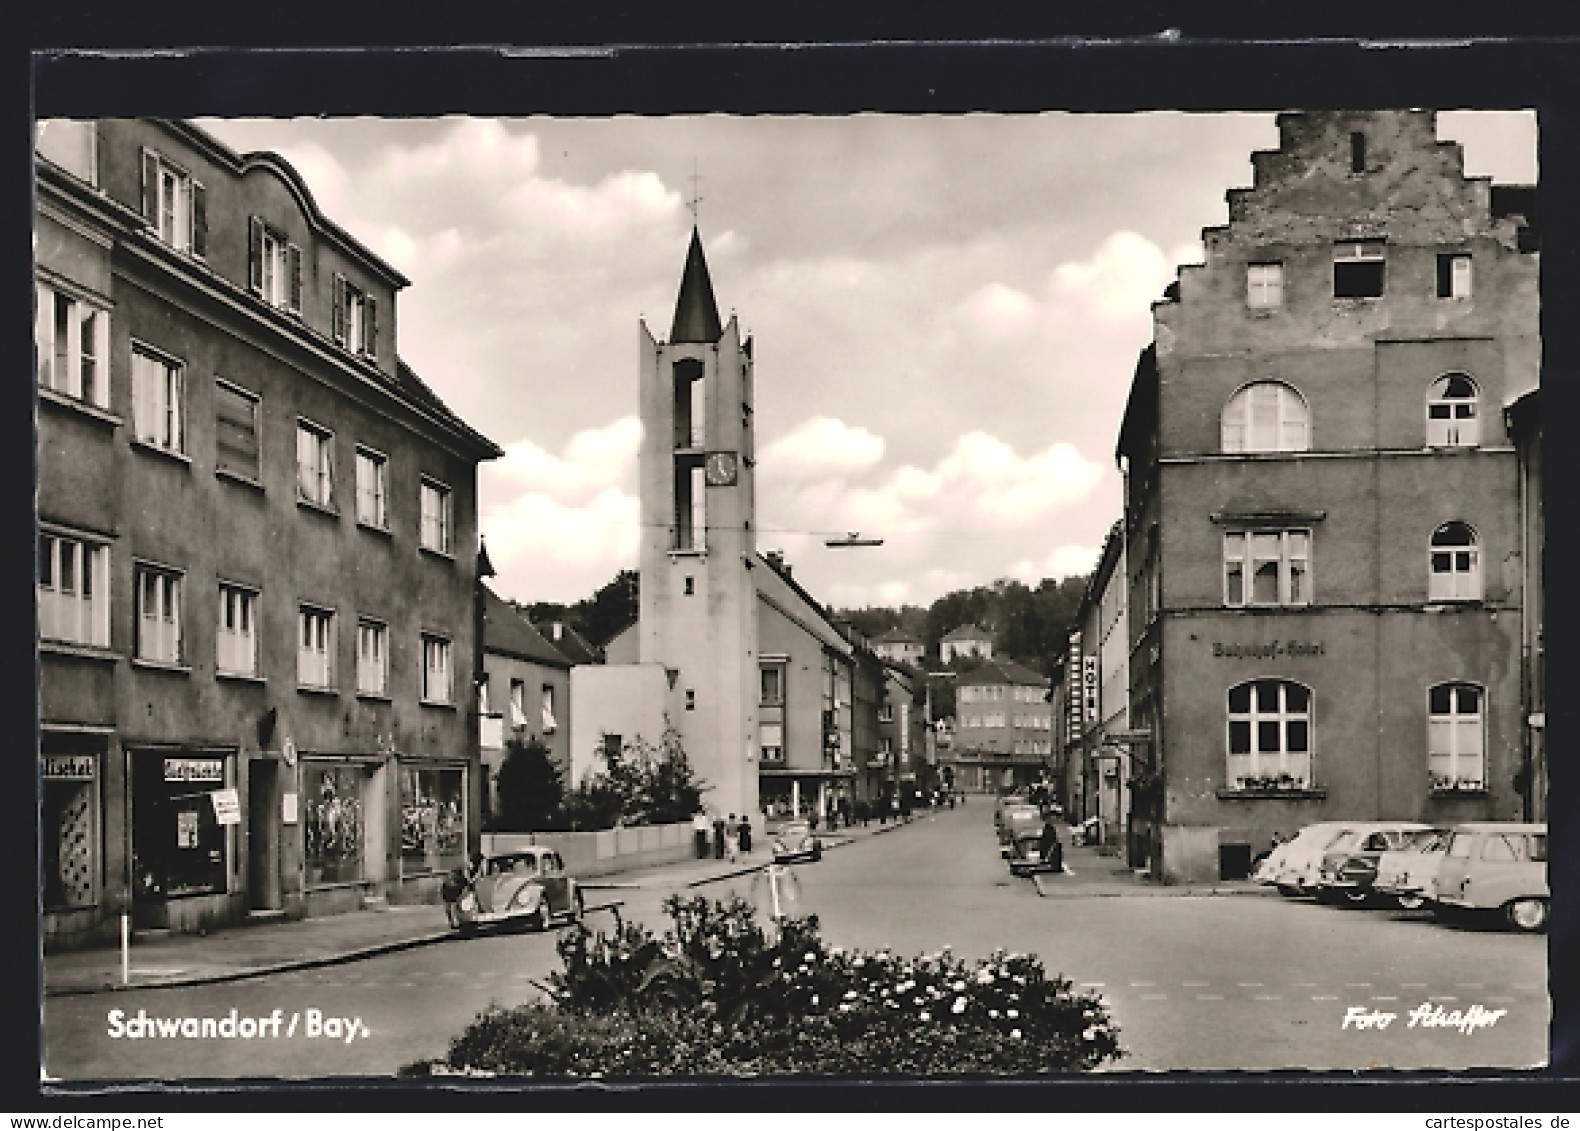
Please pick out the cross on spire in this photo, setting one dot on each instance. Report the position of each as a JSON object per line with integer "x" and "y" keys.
{"x": 696, "y": 197}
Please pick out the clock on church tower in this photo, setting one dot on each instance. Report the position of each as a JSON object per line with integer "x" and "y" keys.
{"x": 720, "y": 469}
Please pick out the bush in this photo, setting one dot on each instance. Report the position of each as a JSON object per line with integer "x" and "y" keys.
{"x": 640, "y": 784}
{"x": 529, "y": 794}
{"x": 720, "y": 995}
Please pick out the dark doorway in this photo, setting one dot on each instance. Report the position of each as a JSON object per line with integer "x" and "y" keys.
{"x": 263, "y": 835}
{"x": 1234, "y": 861}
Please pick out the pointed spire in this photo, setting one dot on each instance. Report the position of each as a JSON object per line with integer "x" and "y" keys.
{"x": 696, "y": 312}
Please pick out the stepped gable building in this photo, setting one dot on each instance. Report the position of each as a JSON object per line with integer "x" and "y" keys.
{"x": 257, "y": 550}
{"x": 1322, "y": 501}
{"x": 524, "y": 694}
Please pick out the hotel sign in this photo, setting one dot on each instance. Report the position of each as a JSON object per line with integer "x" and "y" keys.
{"x": 1271, "y": 650}
{"x": 1074, "y": 713}
{"x": 1089, "y": 687}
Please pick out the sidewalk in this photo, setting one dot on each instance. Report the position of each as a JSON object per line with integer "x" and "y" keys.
{"x": 1094, "y": 875}
{"x": 249, "y": 951}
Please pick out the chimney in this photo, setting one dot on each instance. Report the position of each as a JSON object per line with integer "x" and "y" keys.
{"x": 776, "y": 558}
{"x": 559, "y": 631}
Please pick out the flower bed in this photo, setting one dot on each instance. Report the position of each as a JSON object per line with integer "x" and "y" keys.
{"x": 720, "y": 995}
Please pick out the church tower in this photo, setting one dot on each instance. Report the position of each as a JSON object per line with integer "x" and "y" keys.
{"x": 698, "y": 604}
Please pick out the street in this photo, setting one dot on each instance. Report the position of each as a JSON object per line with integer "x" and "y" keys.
{"x": 1238, "y": 981}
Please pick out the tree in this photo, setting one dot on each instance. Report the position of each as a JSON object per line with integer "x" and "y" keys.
{"x": 640, "y": 784}
{"x": 529, "y": 792}
{"x": 601, "y": 616}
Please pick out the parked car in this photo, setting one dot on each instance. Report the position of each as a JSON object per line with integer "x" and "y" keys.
{"x": 529, "y": 887}
{"x": 1267, "y": 867}
{"x": 796, "y": 841}
{"x": 1349, "y": 864}
{"x": 1005, "y": 802}
{"x": 1405, "y": 874}
{"x": 1296, "y": 873}
{"x": 1495, "y": 866}
{"x": 1017, "y": 819}
{"x": 1025, "y": 853}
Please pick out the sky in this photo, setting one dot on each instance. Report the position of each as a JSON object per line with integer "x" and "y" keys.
{"x": 945, "y": 312}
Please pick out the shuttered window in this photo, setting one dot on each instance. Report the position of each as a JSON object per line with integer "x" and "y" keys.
{"x": 236, "y": 431}
{"x": 274, "y": 270}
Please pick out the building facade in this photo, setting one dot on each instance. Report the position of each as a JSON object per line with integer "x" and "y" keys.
{"x": 524, "y": 695}
{"x": 1004, "y": 726}
{"x": 1101, "y": 757}
{"x": 966, "y": 640}
{"x": 899, "y": 647}
{"x": 256, "y": 554}
{"x": 1322, "y": 510}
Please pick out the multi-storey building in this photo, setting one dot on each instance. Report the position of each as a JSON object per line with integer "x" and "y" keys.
{"x": 1097, "y": 760}
{"x": 524, "y": 694}
{"x": 1004, "y": 726}
{"x": 1322, "y": 500}
{"x": 899, "y": 647}
{"x": 256, "y": 552}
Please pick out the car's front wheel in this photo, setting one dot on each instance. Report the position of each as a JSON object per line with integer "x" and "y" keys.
{"x": 1410, "y": 902}
{"x": 1357, "y": 897}
{"x": 1528, "y": 914}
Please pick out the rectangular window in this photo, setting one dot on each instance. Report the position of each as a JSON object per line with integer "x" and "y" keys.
{"x": 1264, "y": 285}
{"x": 432, "y": 819}
{"x": 373, "y": 658}
{"x": 1456, "y": 742}
{"x": 236, "y": 431}
{"x": 1263, "y": 567}
{"x": 158, "y": 615}
{"x": 73, "y": 590}
{"x": 354, "y": 322}
{"x": 314, "y": 464}
{"x": 771, "y": 741}
{"x": 173, "y": 204}
{"x": 1357, "y": 152}
{"x": 436, "y": 517}
{"x": 372, "y": 489}
{"x": 73, "y": 343}
{"x": 1453, "y": 276}
{"x": 158, "y": 401}
{"x": 773, "y": 686}
{"x": 275, "y": 267}
{"x": 1359, "y": 267}
{"x": 435, "y": 669}
{"x": 550, "y": 724}
{"x": 315, "y": 647}
{"x": 236, "y": 635}
{"x": 518, "y": 703}
{"x": 333, "y": 823}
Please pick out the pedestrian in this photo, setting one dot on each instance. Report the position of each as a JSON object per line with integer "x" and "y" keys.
{"x": 456, "y": 885}
{"x": 699, "y": 832}
{"x": 1048, "y": 845}
{"x": 811, "y": 818}
{"x": 731, "y": 838}
{"x": 718, "y": 837}
{"x": 745, "y": 835}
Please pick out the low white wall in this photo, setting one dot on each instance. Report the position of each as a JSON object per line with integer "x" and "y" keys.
{"x": 604, "y": 853}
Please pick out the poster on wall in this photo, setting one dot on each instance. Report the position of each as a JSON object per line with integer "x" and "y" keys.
{"x": 227, "y": 806}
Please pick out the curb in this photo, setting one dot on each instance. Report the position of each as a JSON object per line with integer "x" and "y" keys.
{"x": 259, "y": 971}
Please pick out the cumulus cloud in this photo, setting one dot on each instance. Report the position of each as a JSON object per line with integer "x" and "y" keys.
{"x": 592, "y": 459}
{"x": 997, "y": 310}
{"x": 822, "y": 445}
{"x": 1124, "y": 276}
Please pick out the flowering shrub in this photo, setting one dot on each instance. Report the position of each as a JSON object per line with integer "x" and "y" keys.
{"x": 717, "y": 995}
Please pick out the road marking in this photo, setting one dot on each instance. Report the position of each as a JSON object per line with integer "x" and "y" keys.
{"x": 1384, "y": 997}
{"x": 1209, "y": 997}
{"x": 1500, "y": 999}
{"x": 1305, "y": 985}
{"x": 1442, "y": 997}
{"x": 1093, "y": 985}
{"x": 1357, "y": 985}
{"x": 1524, "y": 986}
{"x": 1249, "y": 985}
{"x": 1268, "y": 997}
{"x": 1412, "y": 985}
{"x": 1469, "y": 985}
{"x": 1138, "y": 985}
{"x": 1323, "y": 997}
{"x": 1195, "y": 983}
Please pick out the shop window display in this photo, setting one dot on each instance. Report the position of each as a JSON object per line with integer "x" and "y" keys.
{"x": 433, "y": 818}
{"x": 333, "y": 822}
{"x": 69, "y": 815}
{"x": 180, "y": 848}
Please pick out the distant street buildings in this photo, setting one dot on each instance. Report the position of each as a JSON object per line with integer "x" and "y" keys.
{"x": 1003, "y": 736}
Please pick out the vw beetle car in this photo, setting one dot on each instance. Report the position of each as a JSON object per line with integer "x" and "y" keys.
{"x": 1495, "y": 866}
{"x": 797, "y": 841}
{"x": 529, "y": 887}
{"x": 1018, "y": 820}
{"x": 1025, "y": 853}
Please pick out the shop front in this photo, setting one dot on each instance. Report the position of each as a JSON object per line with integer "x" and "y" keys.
{"x": 433, "y": 812}
{"x": 344, "y": 830}
{"x": 71, "y": 771}
{"x": 184, "y": 810}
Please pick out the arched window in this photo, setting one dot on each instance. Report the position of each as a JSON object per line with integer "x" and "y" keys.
{"x": 1456, "y": 564}
{"x": 1267, "y": 416}
{"x": 1451, "y": 420}
{"x": 1269, "y": 735}
{"x": 1456, "y": 738}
